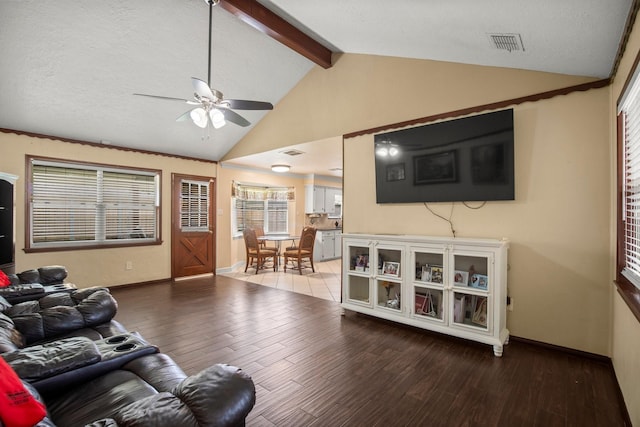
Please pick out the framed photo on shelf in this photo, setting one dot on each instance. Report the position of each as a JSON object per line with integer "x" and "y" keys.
{"x": 391, "y": 268}
{"x": 436, "y": 274}
{"x": 425, "y": 276}
{"x": 362, "y": 262}
{"x": 461, "y": 277}
{"x": 480, "y": 313}
{"x": 420, "y": 302}
{"x": 479, "y": 281}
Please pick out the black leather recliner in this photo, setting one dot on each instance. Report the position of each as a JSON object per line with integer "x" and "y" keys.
{"x": 34, "y": 283}
{"x": 88, "y": 370}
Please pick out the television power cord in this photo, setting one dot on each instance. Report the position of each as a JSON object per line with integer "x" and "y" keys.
{"x": 453, "y": 231}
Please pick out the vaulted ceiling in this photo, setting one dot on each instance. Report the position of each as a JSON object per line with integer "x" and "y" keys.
{"x": 69, "y": 68}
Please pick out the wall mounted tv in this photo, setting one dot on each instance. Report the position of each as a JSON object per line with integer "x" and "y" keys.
{"x": 467, "y": 159}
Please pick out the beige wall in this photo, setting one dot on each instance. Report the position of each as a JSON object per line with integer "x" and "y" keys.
{"x": 625, "y": 327}
{"x": 363, "y": 91}
{"x": 97, "y": 266}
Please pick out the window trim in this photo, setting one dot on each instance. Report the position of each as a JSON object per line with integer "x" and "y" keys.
{"x": 627, "y": 290}
{"x": 70, "y": 246}
{"x": 235, "y": 189}
{"x": 235, "y": 234}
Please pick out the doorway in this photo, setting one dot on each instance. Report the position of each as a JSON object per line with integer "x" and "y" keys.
{"x": 193, "y": 231}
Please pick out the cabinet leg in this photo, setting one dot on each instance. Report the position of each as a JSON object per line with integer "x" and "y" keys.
{"x": 342, "y": 312}
{"x": 506, "y": 341}
{"x": 497, "y": 350}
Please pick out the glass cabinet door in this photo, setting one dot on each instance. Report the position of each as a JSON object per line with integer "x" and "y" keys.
{"x": 428, "y": 280}
{"x": 471, "y": 279}
{"x": 357, "y": 278}
{"x": 389, "y": 265}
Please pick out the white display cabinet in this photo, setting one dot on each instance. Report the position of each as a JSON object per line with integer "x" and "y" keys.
{"x": 450, "y": 285}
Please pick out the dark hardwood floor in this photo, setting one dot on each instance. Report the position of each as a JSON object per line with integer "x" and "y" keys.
{"x": 314, "y": 367}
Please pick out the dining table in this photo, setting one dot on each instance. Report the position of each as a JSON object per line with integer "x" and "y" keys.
{"x": 278, "y": 239}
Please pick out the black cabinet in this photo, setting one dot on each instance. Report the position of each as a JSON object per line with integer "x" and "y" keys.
{"x": 7, "y": 223}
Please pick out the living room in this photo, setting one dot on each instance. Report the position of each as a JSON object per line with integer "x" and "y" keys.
{"x": 561, "y": 225}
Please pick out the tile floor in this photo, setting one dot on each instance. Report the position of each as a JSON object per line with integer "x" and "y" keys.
{"x": 324, "y": 283}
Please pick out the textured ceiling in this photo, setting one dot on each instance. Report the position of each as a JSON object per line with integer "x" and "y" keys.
{"x": 68, "y": 68}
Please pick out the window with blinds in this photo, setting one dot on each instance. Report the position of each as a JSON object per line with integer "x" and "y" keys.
{"x": 629, "y": 111}
{"x": 261, "y": 206}
{"x": 73, "y": 204}
{"x": 194, "y": 206}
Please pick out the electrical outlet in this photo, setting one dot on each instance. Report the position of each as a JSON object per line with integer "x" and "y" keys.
{"x": 128, "y": 265}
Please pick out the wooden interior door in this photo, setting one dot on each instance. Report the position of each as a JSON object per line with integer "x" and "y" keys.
{"x": 192, "y": 225}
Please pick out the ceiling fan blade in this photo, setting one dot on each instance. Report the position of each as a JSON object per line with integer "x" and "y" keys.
{"x": 233, "y": 117}
{"x": 167, "y": 98}
{"x": 242, "y": 104}
{"x": 185, "y": 116}
{"x": 202, "y": 88}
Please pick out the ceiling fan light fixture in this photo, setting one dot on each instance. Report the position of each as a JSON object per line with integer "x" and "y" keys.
{"x": 280, "y": 168}
{"x": 393, "y": 151}
{"x": 199, "y": 117}
{"x": 217, "y": 118}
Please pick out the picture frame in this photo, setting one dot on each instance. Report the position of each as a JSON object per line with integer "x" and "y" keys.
{"x": 425, "y": 275}
{"x": 480, "y": 312}
{"x": 390, "y": 268}
{"x": 361, "y": 262}
{"x": 420, "y": 301}
{"x": 461, "y": 278}
{"x": 479, "y": 281}
{"x": 395, "y": 172}
{"x": 437, "y": 274}
{"x": 435, "y": 168}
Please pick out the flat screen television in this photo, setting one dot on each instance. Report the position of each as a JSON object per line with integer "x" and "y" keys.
{"x": 466, "y": 159}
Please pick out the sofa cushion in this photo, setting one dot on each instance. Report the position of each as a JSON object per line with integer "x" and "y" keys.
{"x": 56, "y": 314}
{"x": 99, "y": 398}
{"x": 52, "y": 274}
{"x": 47, "y": 360}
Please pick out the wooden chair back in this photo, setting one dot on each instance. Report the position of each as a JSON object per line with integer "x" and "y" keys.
{"x": 307, "y": 239}
{"x": 250, "y": 240}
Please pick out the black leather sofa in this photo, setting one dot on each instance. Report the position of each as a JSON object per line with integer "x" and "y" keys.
{"x": 35, "y": 283}
{"x": 88, "y": 370}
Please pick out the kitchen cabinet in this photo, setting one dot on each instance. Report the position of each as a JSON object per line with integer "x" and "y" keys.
{"x": 328, "y": 245}
{"x": 319, "y": 199}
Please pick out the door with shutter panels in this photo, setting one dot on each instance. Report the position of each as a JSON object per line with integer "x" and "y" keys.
{"x": 192, "y": 225}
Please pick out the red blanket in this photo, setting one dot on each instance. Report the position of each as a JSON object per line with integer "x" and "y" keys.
{"x": 18, "y": 408}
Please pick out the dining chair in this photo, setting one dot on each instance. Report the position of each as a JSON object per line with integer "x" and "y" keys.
{"x": 260, "y": 233}
{"x": 257, "y": 253}
{"x": 303, "y": 251}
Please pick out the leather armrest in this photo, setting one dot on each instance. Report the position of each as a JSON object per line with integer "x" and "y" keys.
{"x": 220, "y": 395}
{"x": 54, "y": 358}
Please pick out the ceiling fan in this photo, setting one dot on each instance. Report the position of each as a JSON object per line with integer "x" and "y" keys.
{"x": 211, "y": 105}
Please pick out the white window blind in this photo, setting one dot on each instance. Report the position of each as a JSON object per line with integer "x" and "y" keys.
{"x": 74, "y": 204}
{"x": 194, "y": 206}
{"x": 261, "y": 206}
{"x": 630, "y": 110}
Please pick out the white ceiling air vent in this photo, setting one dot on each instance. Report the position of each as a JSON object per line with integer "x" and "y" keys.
{"x": 509, "y": 42}
{"x": 292, "y": 152}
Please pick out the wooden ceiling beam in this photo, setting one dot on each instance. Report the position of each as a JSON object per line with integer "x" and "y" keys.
{"x": 264, "y": 20}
